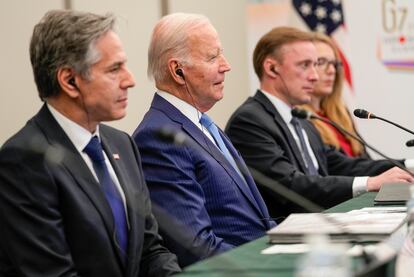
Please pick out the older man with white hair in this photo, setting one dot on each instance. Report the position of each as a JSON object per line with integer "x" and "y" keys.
{"x": 203, "y": 186}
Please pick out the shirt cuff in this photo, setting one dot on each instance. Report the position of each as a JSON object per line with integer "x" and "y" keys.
{"x": 409, "y": 163}
{"x": 359, "y": 186}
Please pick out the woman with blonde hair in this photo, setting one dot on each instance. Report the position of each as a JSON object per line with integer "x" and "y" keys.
{"x": 327, "y": 99}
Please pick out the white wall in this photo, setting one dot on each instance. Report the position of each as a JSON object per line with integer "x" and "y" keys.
{"x": 377, "y": 89}
{"x": 19, "y": 100}
{"x": 228, "y": 17}
{"x": 136, "y": 20}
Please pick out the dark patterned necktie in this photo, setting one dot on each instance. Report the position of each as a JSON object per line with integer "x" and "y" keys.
{"x": 94, "y": 151}
{"x": 311, "y": 169}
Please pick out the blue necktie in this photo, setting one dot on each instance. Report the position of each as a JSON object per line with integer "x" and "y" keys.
{"x": 94, "y": 151}
{"x": 305, "y": 153}
{"x": 208, "y": 123}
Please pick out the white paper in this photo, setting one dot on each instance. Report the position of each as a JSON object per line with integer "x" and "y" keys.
{"x": 286, "y": 249}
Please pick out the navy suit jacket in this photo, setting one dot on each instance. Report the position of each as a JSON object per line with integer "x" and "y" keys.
{"x": 197, "y": 187}
{"x": 258, "y": 131}
{"x": 54, "y": 217}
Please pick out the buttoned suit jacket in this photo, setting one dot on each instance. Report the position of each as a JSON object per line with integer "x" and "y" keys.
{"x": 54, "y": 217}
{"x": 265, "y": 142}
{"x": 196, "y": 187}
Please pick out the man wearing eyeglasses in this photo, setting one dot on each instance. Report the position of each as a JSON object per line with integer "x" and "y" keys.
{"x": 290, "y": 150}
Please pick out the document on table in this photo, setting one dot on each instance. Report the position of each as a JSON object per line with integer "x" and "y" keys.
{"x": 380, "y": 209}
{"x": 351, "y": 226}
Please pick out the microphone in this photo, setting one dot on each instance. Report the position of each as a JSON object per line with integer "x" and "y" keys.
{"x": 304, "y": 114}
{"x": 367, "y": 115}
{"x": 301, "y": 113}
{"x": 364, "y": 114}
{"x": 172, "y": 136}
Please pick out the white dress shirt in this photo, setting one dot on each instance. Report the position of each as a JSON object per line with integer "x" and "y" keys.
{"x": 80, "y": 137}
{"x": 359, "y": 185}
{"x": 188, "y": 111}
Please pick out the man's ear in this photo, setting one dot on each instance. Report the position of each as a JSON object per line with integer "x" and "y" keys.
{"x": 67, "y": 81}
{"x": 271, "y": 67}
{"x": 176, "y": 71}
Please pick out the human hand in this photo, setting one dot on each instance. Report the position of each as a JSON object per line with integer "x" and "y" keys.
{"x": 393, "y": 175}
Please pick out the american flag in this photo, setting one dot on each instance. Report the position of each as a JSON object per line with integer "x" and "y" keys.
{"x": 325, "y": 16}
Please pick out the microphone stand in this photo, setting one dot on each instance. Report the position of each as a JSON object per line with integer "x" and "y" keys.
{"x": 180, "y": 139}
{"x": 393, "y": 123}
{"x": 345, "y": 132}
{"x": 304, "y": 114}
{"x": 363, "y": 114}
{"x": 286, "y": 193}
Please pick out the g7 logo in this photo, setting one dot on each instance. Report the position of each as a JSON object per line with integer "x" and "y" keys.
{"x": 393, "y": 17}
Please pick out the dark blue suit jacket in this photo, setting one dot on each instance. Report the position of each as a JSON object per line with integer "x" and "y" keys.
{"x": 197, "y": 187}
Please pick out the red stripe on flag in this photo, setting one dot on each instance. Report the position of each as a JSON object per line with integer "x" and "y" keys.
{"x": 346, "y": 67}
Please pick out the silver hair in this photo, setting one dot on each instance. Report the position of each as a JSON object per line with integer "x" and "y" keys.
{"x": 169, "y": 39}
{"x": 65, "y": 38}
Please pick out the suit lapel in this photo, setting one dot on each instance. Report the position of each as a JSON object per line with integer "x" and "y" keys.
{"x": 76, "y": 166}
{"x": 248, "y": 178}
{"x": 262, "y": 99}
{"x": 197, "y": 135}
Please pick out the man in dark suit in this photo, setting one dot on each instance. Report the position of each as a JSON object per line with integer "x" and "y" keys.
{"x": 289, "y": 150}
{"x": 204, "y": 186}
{"x": 73, "y": 200}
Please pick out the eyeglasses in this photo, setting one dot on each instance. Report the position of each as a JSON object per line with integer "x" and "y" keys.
{"x": 324, "y": 63}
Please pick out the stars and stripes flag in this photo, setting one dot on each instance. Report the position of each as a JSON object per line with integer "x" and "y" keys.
{"x": 326, "y": 16}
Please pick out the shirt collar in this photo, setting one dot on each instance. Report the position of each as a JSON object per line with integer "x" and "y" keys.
{"x": 79, "y": 136}
{"x": 185, "y": 108}
{"x": 283, "y": 108}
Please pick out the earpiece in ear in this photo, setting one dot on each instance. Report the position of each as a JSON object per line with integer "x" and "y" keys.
{"x": 272, "y": 68}
{"x": 180, "y": 73}
{"x": 72, "y": 82}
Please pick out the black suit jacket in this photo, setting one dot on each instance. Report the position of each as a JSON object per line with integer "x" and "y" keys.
{"x": 54, "y": 218}
{"x": 258, "y": 131}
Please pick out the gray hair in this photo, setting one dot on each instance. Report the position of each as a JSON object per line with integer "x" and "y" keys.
{"x": 65, "y": 38}
{"x": 169, "y": 39}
